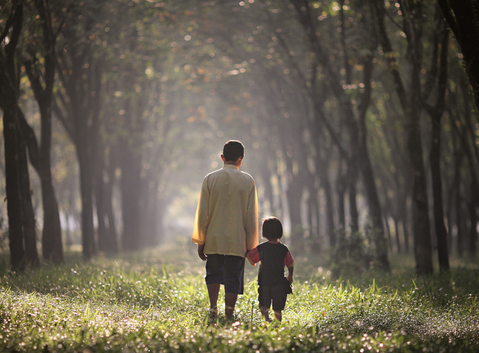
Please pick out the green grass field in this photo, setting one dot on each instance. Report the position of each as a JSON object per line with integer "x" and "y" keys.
{"x": 157, "y": 302}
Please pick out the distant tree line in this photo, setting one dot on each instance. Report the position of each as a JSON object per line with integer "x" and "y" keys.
{"x": 359, "y": 116}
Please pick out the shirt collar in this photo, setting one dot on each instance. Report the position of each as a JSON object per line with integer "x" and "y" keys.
{"x": 230, "y": 166}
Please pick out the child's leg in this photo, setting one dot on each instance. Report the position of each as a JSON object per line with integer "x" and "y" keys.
{"x": 265, "y": 312}
{"x": 279, "y": 302}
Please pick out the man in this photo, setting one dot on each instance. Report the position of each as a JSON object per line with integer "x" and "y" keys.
{"x": 226, "y": 226}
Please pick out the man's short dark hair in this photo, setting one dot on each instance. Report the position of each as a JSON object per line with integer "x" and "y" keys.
{"x": 232, "y": 150}
{"x": 272, "y": 228}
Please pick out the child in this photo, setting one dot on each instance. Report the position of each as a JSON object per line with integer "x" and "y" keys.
{"x": 272, "y": 285}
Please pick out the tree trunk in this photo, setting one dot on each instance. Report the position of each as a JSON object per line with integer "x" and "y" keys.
{"x": 462, "y": 19}
{"x": 473, "y": 219}
{"x": 13, "y": 193}
{"x": 130, "y": 197}
{"x": 353, "y": 206}
{"x": 294, "y": 193}
{"x": 112, "y": 234}
{"x": 440, "y": 40}
{"x": 411, "y": 104}
{"x": 51, "y": 237}
{"x": 396, "y": 231}
{"x": 460, "y": 224}
{"x": 439, "y": 226}
{"x": 21, "y": 222}
{"x": 29, "y": 226}
{"x": 86, "y": 192}
{"x": 420, "y": 207}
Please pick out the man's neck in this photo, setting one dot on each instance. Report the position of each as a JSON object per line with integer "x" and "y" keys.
{"x": 232, "y": 163}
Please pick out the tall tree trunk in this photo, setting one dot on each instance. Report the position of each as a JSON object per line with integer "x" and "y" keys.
{"x": 435, "y": 112}
{"x": 397, "y": 233}
{"x": 420, "y": 207}
{"x": 420, "y": 204}
{"x": 29, "y": 226}
{"x": 472, "y": 236}
{"x": 112, "y": 240}
{"x": 462, "y": 19}
{"x": 460, "y": 224}
{"x": 353, "y": 206}
{"x": 294, "y": 193}
{"x": 13, "y": 192}
{"x": 130, "y": 197}
{"x": 375, "y": 209}
{"x": 411, "y": 104}
{"x": 86, "y": 192}
{"x": 21, "y": 222}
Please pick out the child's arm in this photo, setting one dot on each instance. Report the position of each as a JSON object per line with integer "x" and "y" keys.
{"x": 253, "y": 256}
{"x": 290, "y": 274}
{"x": 289, "y": 263}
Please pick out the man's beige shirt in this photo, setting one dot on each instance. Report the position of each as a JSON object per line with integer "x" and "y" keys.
{"x": 227, "y": 215}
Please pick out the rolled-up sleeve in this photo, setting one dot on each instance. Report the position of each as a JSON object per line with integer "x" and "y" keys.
{"x": 251, "y": 226}
{"x": 201, "y": 217}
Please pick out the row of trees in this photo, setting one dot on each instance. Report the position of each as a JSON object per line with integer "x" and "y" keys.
{"x": 338, "y": 78}
{"x": 357, "y": 117}
{"x": 98, "y": 68}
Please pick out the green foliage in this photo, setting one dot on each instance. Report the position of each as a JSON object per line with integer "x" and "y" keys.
{"x": 157, "y": 301}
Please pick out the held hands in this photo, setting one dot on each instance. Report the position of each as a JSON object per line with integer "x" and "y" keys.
{"x": 201, "y": 251}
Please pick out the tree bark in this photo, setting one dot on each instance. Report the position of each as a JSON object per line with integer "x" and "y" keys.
{"x": 21, "y": 222}
{"x": 463, "y": 21}
{"x": 130, "y": 178}
{"x": 86, "y": 192}
{"x": 81, "y": 75}
{"x": 410, "y": 101}
{"x": 436, "y": 112}
{"x": 13, "y": 192}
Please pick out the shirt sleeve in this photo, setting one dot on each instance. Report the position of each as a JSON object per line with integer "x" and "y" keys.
{"x": 251, "y": 225}
{"x": 201, "y": 217}
{"x": 253, "y": 256}
{"x": 288, "y": 259}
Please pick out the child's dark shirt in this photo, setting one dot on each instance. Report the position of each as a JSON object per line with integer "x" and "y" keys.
{"x": 273, "y": 256}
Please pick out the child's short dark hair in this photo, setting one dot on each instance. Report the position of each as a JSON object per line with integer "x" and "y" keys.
{"x": 272, "y": 228}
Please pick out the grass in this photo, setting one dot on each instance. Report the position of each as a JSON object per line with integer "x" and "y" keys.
{"x": 157, "y": 302}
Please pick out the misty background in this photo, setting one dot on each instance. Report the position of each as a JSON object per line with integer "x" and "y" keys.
{"x": 358, "y": 123}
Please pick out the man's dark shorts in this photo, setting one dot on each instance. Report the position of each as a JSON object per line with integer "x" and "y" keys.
{"x": 275, "y": 294}
{"x": 227, "y": 270}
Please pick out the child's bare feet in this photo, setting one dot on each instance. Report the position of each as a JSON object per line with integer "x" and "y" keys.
{"x": 265, "y": 312}
{"x": 213, "y": 313}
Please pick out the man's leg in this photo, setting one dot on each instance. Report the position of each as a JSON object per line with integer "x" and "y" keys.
{"x": 278, "y": 314}
{"x": 213, "y": 291}
{"x": 230, "y": 302}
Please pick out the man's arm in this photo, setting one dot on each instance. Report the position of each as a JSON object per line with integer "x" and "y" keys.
{"x": 201, "y": 221}
{"x": 201, "y": 251}
{"x": 251, "y": 225}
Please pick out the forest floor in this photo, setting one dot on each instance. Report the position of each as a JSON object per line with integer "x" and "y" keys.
{"x": 156, "y": 301}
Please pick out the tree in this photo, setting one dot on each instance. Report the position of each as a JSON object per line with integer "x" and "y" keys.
{"x": 462, "y": 19}
{"x": 42, "y": 79}
{"x": 80, "y": 69}
{"x": 438, "y": 75}
{"x": 21, "y": 220}
{"x": 358, "y": 158}
{"x": 410, "y": 100}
